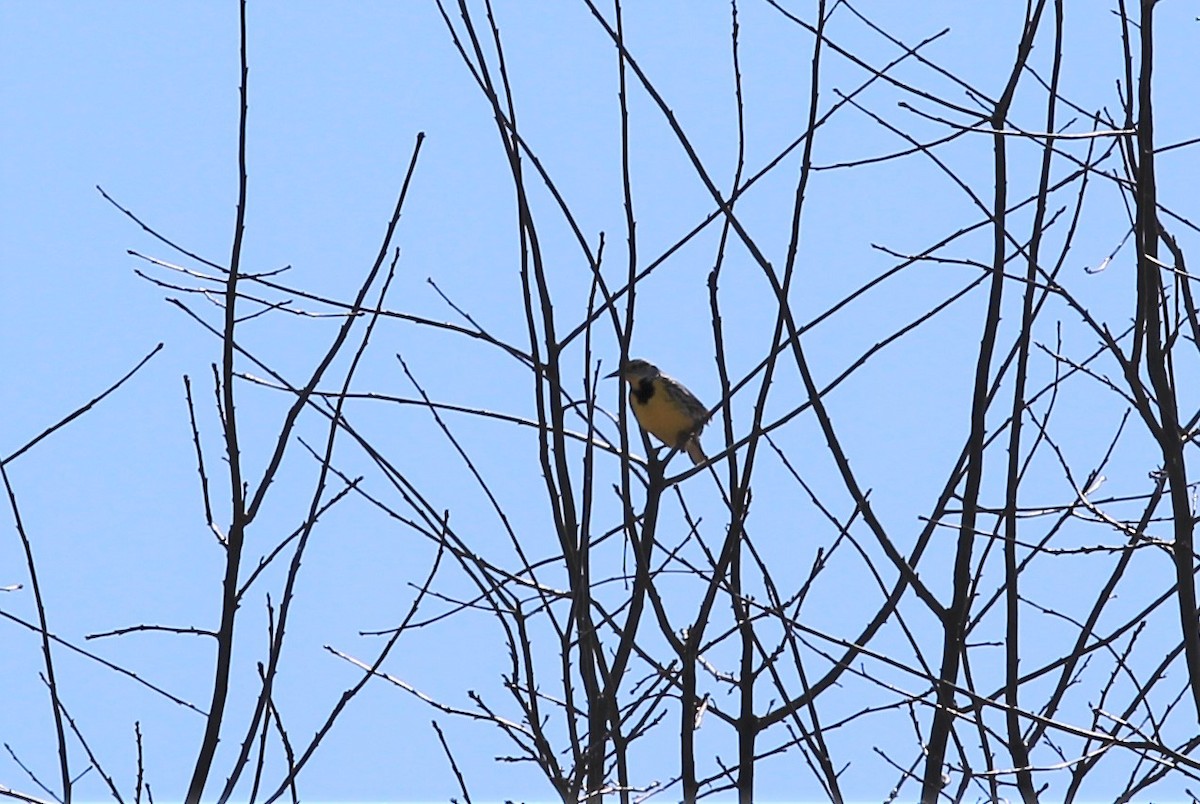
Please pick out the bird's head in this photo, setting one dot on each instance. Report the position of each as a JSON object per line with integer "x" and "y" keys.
{"x": 636, "y": 370}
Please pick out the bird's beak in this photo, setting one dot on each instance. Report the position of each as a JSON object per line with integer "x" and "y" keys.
{"x": 616, "y": 373}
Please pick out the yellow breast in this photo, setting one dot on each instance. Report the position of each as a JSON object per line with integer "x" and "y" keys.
{"x": 661, "y": 415}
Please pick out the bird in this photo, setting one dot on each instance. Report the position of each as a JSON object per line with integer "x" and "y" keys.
{"x": 664, "y": 407}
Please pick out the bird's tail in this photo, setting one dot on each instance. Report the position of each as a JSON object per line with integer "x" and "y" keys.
{"x": 694, "y": 452}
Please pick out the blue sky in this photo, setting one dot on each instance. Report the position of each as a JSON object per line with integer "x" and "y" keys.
{"x": 141, "y": 99}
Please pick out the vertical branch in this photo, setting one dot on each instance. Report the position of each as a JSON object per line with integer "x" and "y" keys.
{"x": 640, "y": 538}
{"x": 1017, "y": 747}
{"x": 956, "y": 616}
{"x": 39, "y": 601}
{"x": 64, "y": 767}
{"x": 747, "y": 723}
{"x": 208, "y": 514}
{"x": 264, "y": 704}
{"x": 1151, "y": 305}
{"x": 236, "y": 537}
{"x": 554, "y": 457}
{"x": 141, "y": 770}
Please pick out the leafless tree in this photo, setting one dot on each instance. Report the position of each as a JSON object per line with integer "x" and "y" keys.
{"x": 688, "y": 632}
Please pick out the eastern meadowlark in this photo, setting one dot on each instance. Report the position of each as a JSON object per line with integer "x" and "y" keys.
{"x": 664, "y": 408}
